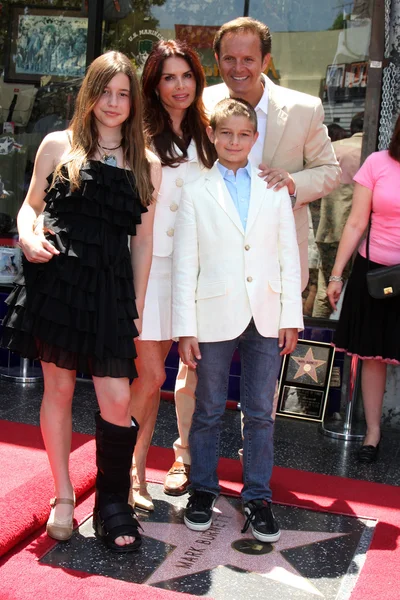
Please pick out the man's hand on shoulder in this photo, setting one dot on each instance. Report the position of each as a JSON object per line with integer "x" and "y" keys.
{"x": 277, "y": 178}
{"x": 189, "y": 350}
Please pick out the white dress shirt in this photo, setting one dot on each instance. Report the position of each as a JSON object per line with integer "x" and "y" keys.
{"x": 261, "y": 109}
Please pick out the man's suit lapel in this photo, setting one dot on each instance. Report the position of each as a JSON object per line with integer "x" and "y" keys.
{"x": 217, "y": 188}
{"x": 276, "y": 121}
{"x": 257, "y": 197}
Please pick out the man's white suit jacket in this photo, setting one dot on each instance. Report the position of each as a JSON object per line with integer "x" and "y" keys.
{"x": 224, "y": 275}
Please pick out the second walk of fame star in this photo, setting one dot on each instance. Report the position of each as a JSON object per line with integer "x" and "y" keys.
{"x": 308, "y": 365}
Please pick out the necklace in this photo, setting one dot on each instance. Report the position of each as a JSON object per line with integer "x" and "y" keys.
{"x": 109, "y": 159}
{"x": 115, "y": 148}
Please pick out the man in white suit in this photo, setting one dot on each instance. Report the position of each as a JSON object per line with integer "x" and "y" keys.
{"x": 294, "y": 151}
{"x": 236, "y": 284}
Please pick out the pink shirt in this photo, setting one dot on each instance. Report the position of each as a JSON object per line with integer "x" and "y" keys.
{"x": 381, "y": 174}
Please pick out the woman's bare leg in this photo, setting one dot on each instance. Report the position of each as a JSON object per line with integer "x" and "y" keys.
{"x": 373, "y": 380}
{"x": 56, "y": 427}
{"x": 145, "y": 397}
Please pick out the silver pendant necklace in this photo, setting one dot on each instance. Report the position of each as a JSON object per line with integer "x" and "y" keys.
{"x": 109, "y": 159}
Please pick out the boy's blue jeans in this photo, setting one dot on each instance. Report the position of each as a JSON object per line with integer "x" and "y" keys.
{"x": 260, "y": 362}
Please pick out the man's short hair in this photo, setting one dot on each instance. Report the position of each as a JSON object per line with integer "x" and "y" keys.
{"x": 357, "y": 123}
{"x": 233, "y": 107}
{"x": 244, "y": 25}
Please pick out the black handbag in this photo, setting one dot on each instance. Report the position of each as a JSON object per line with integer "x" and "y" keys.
{"x": 383, "y": 282}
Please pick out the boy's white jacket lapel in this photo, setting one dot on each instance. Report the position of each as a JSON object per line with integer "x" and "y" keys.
{"x": 216, "y": 186}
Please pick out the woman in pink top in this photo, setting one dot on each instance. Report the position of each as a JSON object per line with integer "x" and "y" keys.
{"x": 368, "y": 327}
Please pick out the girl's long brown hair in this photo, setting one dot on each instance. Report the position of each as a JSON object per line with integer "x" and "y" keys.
{"x": 158, "y": 125}
{"x": 85, "y": 136}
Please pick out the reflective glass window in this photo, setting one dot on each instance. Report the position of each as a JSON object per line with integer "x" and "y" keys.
{"x": 43, "y": 58}
{"x": 320, "y": 48}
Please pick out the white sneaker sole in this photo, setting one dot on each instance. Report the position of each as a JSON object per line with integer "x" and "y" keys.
{"x": 197, "y": 526}
{"x": 265, "y": 537}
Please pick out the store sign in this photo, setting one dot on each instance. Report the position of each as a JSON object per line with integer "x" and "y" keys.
{"x": 143, "y": 42}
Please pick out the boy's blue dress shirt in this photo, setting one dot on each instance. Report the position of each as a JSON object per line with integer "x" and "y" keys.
{"x": 239, "y": 188}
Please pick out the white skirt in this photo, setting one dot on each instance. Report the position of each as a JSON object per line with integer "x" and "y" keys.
{"x": 158, "y": 302}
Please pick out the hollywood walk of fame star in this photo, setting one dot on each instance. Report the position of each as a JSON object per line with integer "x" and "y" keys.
{"x": 308, "y": 365}
{"x": 191, "y": 556}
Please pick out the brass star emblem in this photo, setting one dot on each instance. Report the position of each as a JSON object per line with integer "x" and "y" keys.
{"x": 308, "y": 365}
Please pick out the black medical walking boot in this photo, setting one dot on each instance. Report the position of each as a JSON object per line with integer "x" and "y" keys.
{"x": 113, "y": 516}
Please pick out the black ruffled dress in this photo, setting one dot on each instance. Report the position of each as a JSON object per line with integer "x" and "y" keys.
{"x": 77, "y": 310}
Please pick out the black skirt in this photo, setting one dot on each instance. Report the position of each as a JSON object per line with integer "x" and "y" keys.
{"x": 368, "y": 327}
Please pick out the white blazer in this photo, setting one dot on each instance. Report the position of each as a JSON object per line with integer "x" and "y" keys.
{"x": 173, "y": 180}
{"x": 297, "y": 141}
{"x": 222, "y": 275}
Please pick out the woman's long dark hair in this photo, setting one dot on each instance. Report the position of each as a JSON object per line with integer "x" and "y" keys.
{"x": 394, "y": 146}
{"x": 158, "y": 125}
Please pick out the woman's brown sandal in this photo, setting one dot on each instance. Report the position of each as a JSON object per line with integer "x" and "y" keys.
{"x": 60, "y": 529}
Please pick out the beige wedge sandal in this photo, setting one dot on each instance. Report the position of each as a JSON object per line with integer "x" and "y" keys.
{"x": 60, "y": 529}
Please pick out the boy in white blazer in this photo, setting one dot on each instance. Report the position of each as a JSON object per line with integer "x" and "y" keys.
{"x": 293, "y": 149}
{"x": 236, "y": 284}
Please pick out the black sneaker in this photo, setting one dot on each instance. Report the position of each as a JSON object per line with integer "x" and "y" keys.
{"x": 199, "y": 509}
{"x": 261, "y": 520}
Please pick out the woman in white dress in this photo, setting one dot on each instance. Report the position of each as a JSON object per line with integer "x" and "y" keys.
{"x": 175, "y": 122}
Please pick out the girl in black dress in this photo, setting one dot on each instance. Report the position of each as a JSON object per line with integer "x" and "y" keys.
{"x": 74, "y": 305}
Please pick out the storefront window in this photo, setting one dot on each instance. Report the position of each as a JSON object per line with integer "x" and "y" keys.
{"x": 320, "y": 48}
{"x": 43, "y": 59}
{"x": 42, "y": 53}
